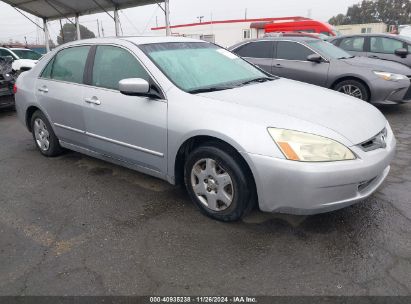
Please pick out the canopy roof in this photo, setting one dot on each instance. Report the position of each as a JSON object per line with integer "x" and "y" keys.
{"x": 58, "y": 9}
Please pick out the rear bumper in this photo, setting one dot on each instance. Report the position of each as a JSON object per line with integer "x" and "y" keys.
{"x": 6, "y": 101}
{"x": 309, "y": 188}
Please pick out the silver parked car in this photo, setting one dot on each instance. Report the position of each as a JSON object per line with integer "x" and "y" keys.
{"x": 318, "y": 62}
{"x": 188, "y": 111}
{"x": 381, "y": 46}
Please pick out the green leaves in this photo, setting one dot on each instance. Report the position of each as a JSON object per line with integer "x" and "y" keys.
{"x": 391, "y": 12}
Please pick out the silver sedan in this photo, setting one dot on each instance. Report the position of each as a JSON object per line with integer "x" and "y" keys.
{"x": 192, "y": 113}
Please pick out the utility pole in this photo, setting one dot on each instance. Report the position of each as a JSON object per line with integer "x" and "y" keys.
{"x": 245, "y": 15}
{"x": 102, "y": 29}
{"x": 167, "y": 16}
{"x": 98, "y": 28}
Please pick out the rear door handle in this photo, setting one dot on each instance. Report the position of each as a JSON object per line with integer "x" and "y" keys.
{"x": 373, "y": 56}
{"x": 278, "y": 66}
{"x": 93, "y": 100}
{"x": 43, "y": 89}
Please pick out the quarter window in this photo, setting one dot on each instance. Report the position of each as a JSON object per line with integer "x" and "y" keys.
{"x": 385, "y": 45}
{"x": 355, "y": 44}
{"x": 69, "y": 64}
{"x": 47, "y": 71}
{"x": 262, "y": 49}
{"x": 113, "y": 64}
{"x": 292, "y": 51}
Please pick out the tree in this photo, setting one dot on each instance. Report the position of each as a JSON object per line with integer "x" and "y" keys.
{"x": 391, "y": 12}
{"x": 69, "y": 33}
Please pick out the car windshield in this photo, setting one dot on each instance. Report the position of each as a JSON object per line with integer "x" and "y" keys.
{"x": 27, "y": 54}
{"x": 329, "y": 50}
{"x": 200, "y": 67}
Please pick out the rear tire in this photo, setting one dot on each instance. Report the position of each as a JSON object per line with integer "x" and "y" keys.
{"x": 44, "y": 138}
{"x": 218, "y": 183}
{"x": 353, "y": 88}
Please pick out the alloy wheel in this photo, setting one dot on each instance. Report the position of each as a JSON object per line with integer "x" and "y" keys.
{"x": 351, "y": 90}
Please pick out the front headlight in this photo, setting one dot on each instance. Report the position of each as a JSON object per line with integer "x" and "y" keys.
{"x": 390, "y": 76}
{"x": 305, "y": 147}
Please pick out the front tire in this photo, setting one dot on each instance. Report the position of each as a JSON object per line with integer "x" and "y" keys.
{"x": 218, "y": 183}
{"x": 353, "y": 88}
{"x": 45, "y": 139}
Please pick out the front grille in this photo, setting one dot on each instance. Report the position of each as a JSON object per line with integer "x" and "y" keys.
{"x": 377, "y": 142}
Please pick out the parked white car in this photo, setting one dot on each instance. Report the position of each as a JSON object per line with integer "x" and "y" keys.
{"x": 406, "y": 31}
{"x": 23, "y": 59}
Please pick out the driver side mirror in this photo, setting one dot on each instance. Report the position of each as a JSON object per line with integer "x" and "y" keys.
{"x": 401, "y": 52}
{"x": 139, "y": 87}
{"x": 134, "y": 87}
{"x": 315, "y": 58}
{"x": 10, "y": 58}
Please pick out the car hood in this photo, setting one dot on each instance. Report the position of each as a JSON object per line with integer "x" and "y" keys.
{"x": 379, "y": 65}
{"x": 354, "y": 119}
{"x": 23, "y": 63}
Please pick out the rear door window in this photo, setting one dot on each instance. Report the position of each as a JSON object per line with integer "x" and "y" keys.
{"x": 113, "y": 64}
{"x": 288, "y": 50}
{"x": 69, "y": 64}
{"x": 354, "y": 44}
{"x": 385, "y": 45}
{"x": 260, "y": 49}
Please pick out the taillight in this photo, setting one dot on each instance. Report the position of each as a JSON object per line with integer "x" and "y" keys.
{"x": 14, "y": 89}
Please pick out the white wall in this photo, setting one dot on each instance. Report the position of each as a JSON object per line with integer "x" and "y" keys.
{"x": 226, "y": 34}
{"x": 357, "y": 28}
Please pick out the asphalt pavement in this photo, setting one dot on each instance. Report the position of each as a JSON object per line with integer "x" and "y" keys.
{"x": 74, "y": 225}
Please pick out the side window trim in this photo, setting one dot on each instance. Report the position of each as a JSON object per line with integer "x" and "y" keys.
{"x": 376, "y": 37}
{"x": 271, "y": 54}
{"x": 53, "y": 60}
{"x": 303, "y": 45}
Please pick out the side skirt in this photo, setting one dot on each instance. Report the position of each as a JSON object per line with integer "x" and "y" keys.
{"x": 116, "y": 161}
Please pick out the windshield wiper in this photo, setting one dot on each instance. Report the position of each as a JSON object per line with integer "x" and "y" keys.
{"x": 347, "y": 57}
{"x": 209, "y": 89}
{"x": 258, "y": 80}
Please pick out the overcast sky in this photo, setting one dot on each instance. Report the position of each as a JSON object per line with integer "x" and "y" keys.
{"x": 138, "y": 21}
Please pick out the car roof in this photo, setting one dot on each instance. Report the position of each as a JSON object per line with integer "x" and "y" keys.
{"x": 279, "y": 38}
{"x": 398, "y": 37}
{"x": 138, "y": 40}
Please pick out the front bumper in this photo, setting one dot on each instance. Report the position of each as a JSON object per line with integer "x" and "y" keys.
{"x": 390, "y": 92}
{"x": 309, "y": 188}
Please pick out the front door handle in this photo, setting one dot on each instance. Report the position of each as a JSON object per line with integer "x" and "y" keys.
{"x": 43, "y": 89}
{"x": 278, "y": 66}
{"x": 373, "y": 56}
{"x": 93, "y": 100}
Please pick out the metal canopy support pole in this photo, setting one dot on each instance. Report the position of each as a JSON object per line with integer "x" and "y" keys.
{"x": 116, "y": 22}
{"x": 167, "y": 14}
{"x": 46, "y": 34}
{"x": 78, "y": 27}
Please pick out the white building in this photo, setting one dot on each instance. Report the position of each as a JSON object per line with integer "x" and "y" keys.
{"x": 224, "y": 33}
{"x": 352, "y": 29}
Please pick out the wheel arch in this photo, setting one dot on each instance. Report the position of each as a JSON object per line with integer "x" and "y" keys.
{"x": 200, "y": 140}
{"x": 29, "y": 114}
